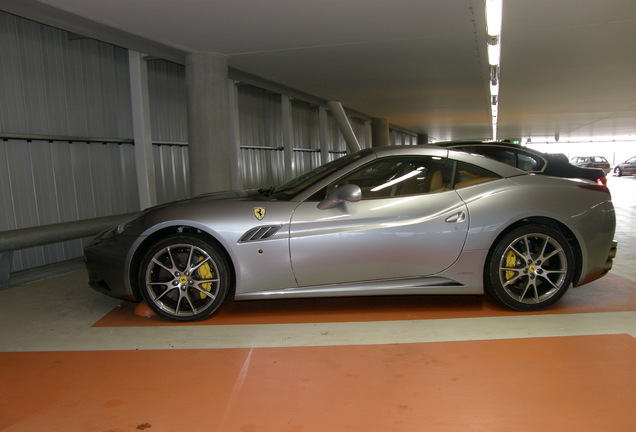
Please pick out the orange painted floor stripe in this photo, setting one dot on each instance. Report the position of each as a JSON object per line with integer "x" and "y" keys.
{"x": 583, "y": 383}
{"x": 610, "y": 294}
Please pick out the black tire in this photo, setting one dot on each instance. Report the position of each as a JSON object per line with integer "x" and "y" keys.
{"x": 530, "y": 268}
{"x": 184, "y": 278}
{"x": 618, "y": 172}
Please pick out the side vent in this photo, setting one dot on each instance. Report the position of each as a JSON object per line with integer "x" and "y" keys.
{"x": 260, "y": 233}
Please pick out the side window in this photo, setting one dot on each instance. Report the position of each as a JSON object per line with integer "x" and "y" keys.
{"x": 502, "y": 155}
{"x": 398, "y": 176}
{"x": 527, "y": 162}
{"x": 468, "y": 175}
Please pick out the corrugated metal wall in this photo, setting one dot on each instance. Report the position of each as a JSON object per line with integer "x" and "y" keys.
{"x": 60, "y": 86}
{"x": 54, "y": 85}
{"x": 261, "y": 136}
{"x": 171, "y": 172}
{"x": 260, "y": 132}
{"x": 398, "y": 137}
{"x": 167, "y": 93}
{"x": 66, "y": 118}
{"x": 169, "y": 128}
{"x": 45, "y": 182}
{"x": 306, "y": 137}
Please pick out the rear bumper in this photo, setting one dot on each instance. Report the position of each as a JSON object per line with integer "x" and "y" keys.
{"x": 598, "y": 247}
{"x": 610, "y": 259}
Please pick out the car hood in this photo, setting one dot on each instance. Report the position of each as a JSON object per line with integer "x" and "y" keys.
{"x": 234, "y": 195}
{"x": 191, "y": 207}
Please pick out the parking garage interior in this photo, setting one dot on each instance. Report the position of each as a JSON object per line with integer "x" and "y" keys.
{"x": 109, "y": 108}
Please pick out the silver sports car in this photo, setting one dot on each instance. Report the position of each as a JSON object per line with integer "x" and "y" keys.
{"x": 383, "y": 221}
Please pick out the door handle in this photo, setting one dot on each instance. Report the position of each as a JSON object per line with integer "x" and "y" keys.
{"x": 457, "y": 217}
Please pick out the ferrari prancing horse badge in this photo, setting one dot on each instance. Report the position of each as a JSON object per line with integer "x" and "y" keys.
{"x": 259, "y": 213}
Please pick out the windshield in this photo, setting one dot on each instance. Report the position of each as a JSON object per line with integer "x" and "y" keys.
{"x": 290, "y": 189}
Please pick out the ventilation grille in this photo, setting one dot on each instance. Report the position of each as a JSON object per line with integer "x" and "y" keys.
{"x": 260, "y": 233}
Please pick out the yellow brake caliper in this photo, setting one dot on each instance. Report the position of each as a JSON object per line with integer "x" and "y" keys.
{"x": 205, "y": 272}
{"x": 511, "y": 262}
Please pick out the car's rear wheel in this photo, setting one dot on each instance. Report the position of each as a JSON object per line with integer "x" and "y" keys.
{"x": 184, "y": 278}
{"x": 530, "y": 268}
{"x": 618, "y": 172}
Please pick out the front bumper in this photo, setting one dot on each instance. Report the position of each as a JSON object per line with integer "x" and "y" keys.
{"x": 106, "y": 262}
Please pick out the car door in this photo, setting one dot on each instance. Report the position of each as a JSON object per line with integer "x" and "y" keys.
{"x": 408, "y": 223}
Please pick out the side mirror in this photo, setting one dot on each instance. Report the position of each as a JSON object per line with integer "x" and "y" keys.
{"x": 346, "y": 193}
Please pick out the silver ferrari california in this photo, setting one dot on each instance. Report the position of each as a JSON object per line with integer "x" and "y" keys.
{"x": 383, "y": 221}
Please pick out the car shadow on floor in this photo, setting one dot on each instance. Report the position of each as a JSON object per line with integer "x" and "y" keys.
{"x": 610, "y": 294}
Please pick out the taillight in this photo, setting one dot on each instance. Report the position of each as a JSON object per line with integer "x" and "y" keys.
{"x": 602, "y": 181}
{"x": 596, "y": 187}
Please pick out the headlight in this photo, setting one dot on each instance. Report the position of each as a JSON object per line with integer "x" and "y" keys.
{"x": 122, "y": 227}
{"x": 117, "y": 230}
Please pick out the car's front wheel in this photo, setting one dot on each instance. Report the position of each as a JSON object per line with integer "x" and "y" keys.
{"x": 530, "y": 268}
{"x": 184, "y": 278}
{"x": 618, "y": 172}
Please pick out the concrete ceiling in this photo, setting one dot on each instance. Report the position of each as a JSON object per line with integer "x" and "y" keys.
{"x": 568, "y": 67}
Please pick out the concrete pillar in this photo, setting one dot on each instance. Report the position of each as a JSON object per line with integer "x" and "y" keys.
{"x": 368, "y": 133}
{"x": 380, "y": 133}
{"x": 422, "y": 138}
{"x": 235, "y": 137}
{"x": 144, "y": 157}
{"x": 210, "y": 151}
{"x": 324, "y": 145}
{"x": 339, "y": 115}
{"x": 288, "y": 137}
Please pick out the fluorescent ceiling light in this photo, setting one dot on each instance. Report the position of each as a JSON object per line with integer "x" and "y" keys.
{"x": 494, "y": 89}
{"x": 493, "y": 28}
{"x": 494, "y": 54}
{"x": 493, "y": 17}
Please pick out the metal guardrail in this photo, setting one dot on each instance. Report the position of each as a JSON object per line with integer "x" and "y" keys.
{"x": 79, "y": 139}
{"x": 47, "y": 234}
